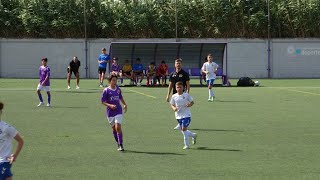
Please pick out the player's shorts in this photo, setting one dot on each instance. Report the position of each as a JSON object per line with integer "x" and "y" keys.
{"x": 5, "y": 169}
{"x": 151, "y": 73}
{"x": 115, "y": 119}
{"x": 43, "y": 88}
{"x": 184, "y": 122}
{"x": 73, "y": 71}
{"x": 127, "y": 73}
{"x": 102, "y": 70}
{"x": 139, "y": 73}
{"x": 210, "y": 82}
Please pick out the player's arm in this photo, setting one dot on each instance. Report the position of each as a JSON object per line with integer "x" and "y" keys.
{"x": 111, "y": 106}
{"x": 188, "y": 86}
{"x": 216, "y": 68}
{"x": 125, "y": 107}
{"x": 174, "y": 108}
{"x": 203, "y": 69}
{"x": 14, "y": 156}
{"x": 189, "y": 104}
{"x": 169, "y": 91}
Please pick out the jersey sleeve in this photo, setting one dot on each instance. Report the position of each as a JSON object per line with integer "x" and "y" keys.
{"x": 48, "y": 72}
{"x": 104, "y": 96}
{"x": 99, "y": 58}
{"x": 172, "y": 101}
{"x": 120, "y": 94}
{"x": 11, "y": 131}
{"x": 203, "y": 67}
{"x": 190, "y": 99}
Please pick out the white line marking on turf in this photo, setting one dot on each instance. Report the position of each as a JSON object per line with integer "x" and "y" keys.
{"x": 304, "y": 92}
{"x": 142, "y": 94}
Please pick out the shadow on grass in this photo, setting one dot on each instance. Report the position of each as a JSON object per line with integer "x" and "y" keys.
{"x": 79, "y": 92}
{"x": 216, "y": 149}
{"x": 223, "y": 130}
{"x": 152, "y": 153}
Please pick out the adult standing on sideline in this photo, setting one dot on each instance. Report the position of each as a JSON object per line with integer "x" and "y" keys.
{"x": 103, "y": 61}
{"x": 179, "y": 75}
{"x": 74, "y": 68}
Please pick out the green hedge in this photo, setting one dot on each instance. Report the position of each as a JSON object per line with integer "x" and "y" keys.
{"x": 156, "y": 18}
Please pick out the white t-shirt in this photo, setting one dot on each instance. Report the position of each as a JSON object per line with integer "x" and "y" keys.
{"x": 180, "y": 101}
{"x": 211, "y": 67}
{"x": 7, "y": 133}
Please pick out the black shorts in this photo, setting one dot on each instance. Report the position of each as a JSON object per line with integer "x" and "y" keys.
{"x": 127, "y": 73}
{"x": 73, "y": 71}
{"x": 139, "y": 73}
{"x": 101, "y": 70}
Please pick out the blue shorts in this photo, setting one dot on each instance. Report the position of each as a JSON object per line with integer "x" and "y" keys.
{"x": 5, "y": 170}
{"x": 210, "y": 82}
{"x": 184, "y": 122}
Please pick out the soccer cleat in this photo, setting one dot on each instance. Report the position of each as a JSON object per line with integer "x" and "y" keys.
{"x": 212, "y": 98}
{"x": 120, "y": 148}
{"x": 48, "y": 105}
{"x": 40, "y": 104}
{"x": 138, "y": 84}
{"x": 186, "y": 147}
{"x": 101, "y": 85}
{"x": 177, "y": 127}
{"x": 69, "y": 87}
{"x": 194, "y": 139}
{"x": 209, "y": 100}
{"x": 77, "y": 87}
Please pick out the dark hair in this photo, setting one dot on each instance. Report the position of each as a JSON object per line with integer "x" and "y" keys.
{"x": 163, "y": 62}
{"x": 112, "y": 76}
{"x": 152, "y": 63}
{"x": 126, "y": 60}
{"x": 209, "y": 55}
{"x": 178, "y": 60}
{"x": 138, "y": 59}
{"x": 44, "y": 59}
{"x": 103, "y": 49}
{"x": 179, "y": 83}
{"x": 1, "y": 106}
{"x": 115, "y": 58}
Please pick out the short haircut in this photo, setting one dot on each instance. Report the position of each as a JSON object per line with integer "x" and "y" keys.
{"x": 209, "y": 55}
{"x": 126, "y": 60}
{"x": 179, "y": 83}
{"x": 1, "y": 106}
{"x": 152, "y": 63}
{"x": 112, "y": 76}
{"x": 44, "y": 59}
{"x": 163, "y": 62}
{"x": 138, "y": 59}
{"x": 103, "y": 49}
{"x": 178, "y": 60}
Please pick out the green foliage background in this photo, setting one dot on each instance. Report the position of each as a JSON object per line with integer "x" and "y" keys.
{"x": 156, "y": 18}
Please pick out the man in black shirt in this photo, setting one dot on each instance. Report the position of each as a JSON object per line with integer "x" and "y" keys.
{"x": 74, "y": 68}
{"x": 178, "y": 75}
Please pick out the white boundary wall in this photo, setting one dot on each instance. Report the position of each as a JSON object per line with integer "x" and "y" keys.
{"x": 290, "y": 58}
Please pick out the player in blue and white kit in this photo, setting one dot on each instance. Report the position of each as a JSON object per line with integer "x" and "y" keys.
{"x": 210, "y": 68}
{"x": 180, "y": 104}
{"x": 44, "y": 83}
{"x": 111, "y": 98}
{"x": 7, "y": 134}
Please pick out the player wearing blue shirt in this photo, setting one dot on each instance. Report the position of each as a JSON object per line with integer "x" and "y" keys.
{"x": 103, "y": 61}
{"x": 138, "y": 71}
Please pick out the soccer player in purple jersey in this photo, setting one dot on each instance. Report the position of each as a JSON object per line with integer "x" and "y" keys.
{"x": 116, "y": 70}
{"x": 44, "y": 84}
{"x": 111, "y": 98}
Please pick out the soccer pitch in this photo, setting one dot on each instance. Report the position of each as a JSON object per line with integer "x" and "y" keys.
{"x": 267, "y": 132}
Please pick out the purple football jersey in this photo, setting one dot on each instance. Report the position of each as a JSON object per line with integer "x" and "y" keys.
{"x": 43, "y": 73}
{"x": 115, "y": 67}
{"x": 112, "y": 96}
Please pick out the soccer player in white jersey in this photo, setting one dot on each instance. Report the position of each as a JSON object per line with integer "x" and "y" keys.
{"x": 210, "y": 68}
{"x": 7, "y": 133}
{"x": 180, "y": 104}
